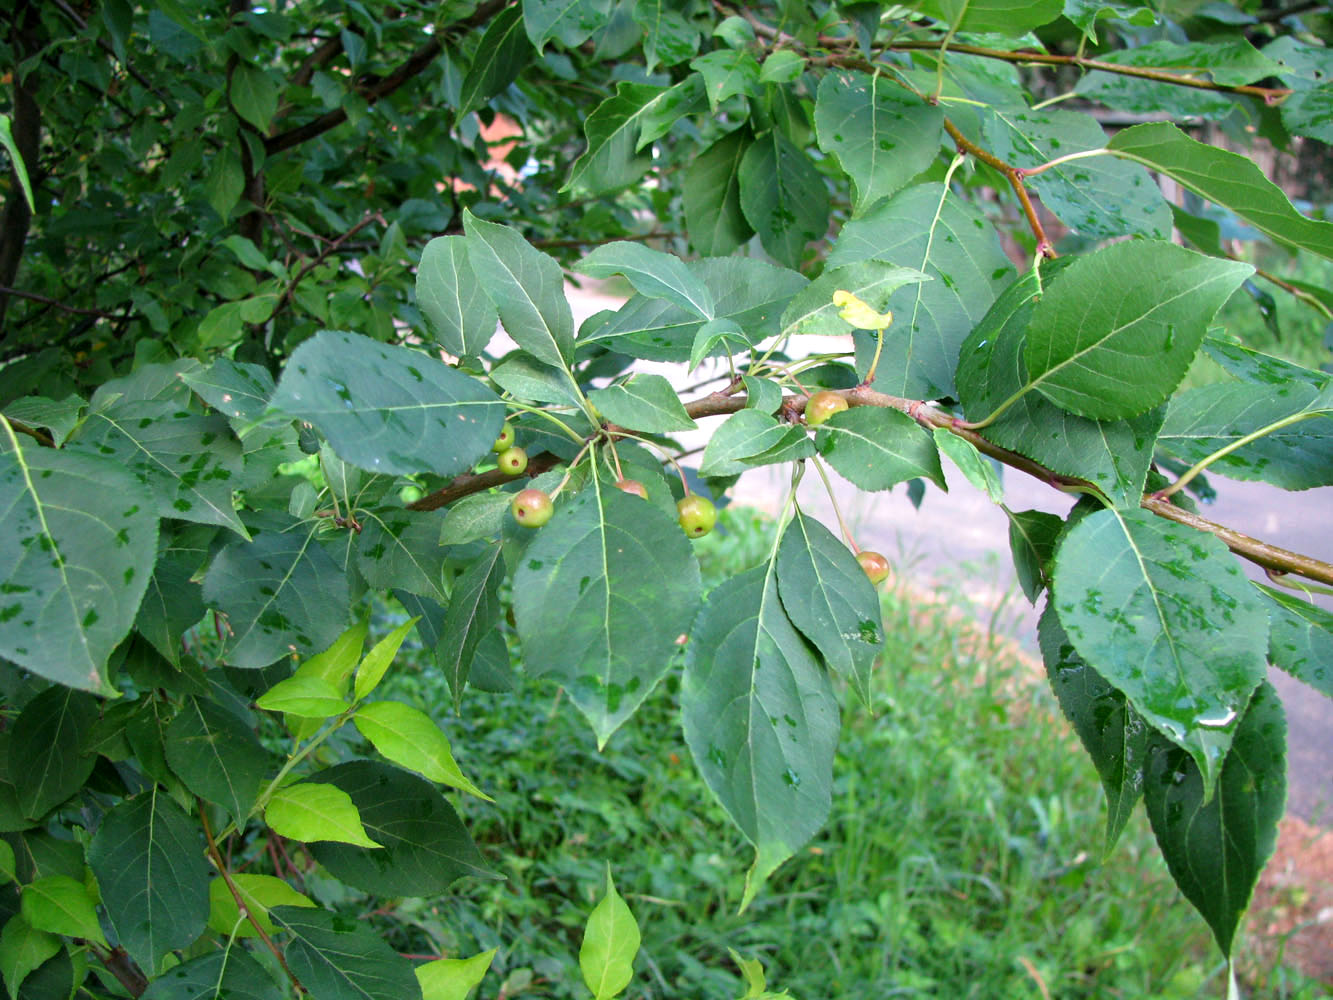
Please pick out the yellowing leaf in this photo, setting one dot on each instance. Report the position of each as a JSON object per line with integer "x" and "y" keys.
{"x": 409, "y": 737}
{"x": 610, "y": 942}
{"x": 377, "y": 661}
{"x": 59, "y": 904}
{"x": 258, "y": 893}
{"x": 858, "y": 314}
{"x": 312, "y": 812}
{"x": 453, "y": 978}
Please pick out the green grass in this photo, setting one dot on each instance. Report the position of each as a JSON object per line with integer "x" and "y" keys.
{"x": 960, "y": 859}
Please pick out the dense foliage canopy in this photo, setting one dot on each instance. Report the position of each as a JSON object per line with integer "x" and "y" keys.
{"x": 252, "y": 263}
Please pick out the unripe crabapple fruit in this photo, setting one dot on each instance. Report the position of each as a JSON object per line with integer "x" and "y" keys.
{"x": 531, "y": 508}
{"x": 505, "y": 440}
{"x": 512, "y": 461}
{"x": 632, "y": 486}
{"x": 823, "y": 405}
{"x": 875, "y": 565}
{"x": 697, "y": 515}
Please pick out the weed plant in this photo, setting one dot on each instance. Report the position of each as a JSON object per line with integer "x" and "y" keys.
{"x": 962, "y": 858}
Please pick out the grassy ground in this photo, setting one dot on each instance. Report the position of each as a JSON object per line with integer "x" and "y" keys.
{"x": 960, "y": 860}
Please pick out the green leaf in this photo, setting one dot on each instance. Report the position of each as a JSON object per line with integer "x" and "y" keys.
{"x": 47, "y": 747}
{"x": 502, "y": 54}
{"x": 976, "y": 468}
{"x": 409, "y": 737}
{"x": 480, "y": 515}
{"x": 643, "y": 403}
{"x": 426, "y": 849}
{"x": 217, "y": 756}
{"x": 524, "y": 377}
{"x": 760, "y": 719}
{"x": 1298, "y": 456}
{"x": 712, "y": 196}
{"x": 610, "y": 942}
{"x": 828, "y": 597}
{"x": 474, "y": 611}
{"x": 453, "y": 978}
{"x": 882, "y": 135}
{"x": 1114, "y": 455}
{"x": 237, "y": 390}
{"x": 387, "y": 409}
{"x": 1163, "y": 612}
{"x": 225, "y": 183}
{"x": 1300, "y": 639}
{"x": 60, "y": 417}
{"x": 190, "y": 462}
{"x": 1032, "y": 537}
{"x": 1008, "y": 17}
{"x": 59, "y": 904}
{"x": 781, "y": 66}
{"x": 1215, "y": 846}
{"x": 1115, "y": 736}
{"x": 726, "y": 332}
{"x": 281, "y": 593}
{"x": 762, "y": 394}
{"x": 1100, "y": 196}
{"x": 400, "y": 548}
{"x": 377, "y": 661}
{"x": 668, "y": 37}
{"x": 793, "y": 445}
{"x": 742, "y": 435}
{"x": 22, "y": 950}
{"x": 929, "y": 230}
{"x": 259, "y": 893}
{"x": 875, "y": 448}
{"x": 1264, "y": 369}
{"x": 341, "y": 958}
{"x": 652, "y": 273}
{"x": 304, "y": 696}
{"x": 254, "y": 95}
{"x": 569, "y": 22}
{"x": 784, "y": 197}
{"x": 452, "y": 298}
{"x": 7, "y": 864}
{"x": 17, "y": 164}
{"x": 149, "y": 861}
{"x": 527, "y": 288}
{"x": 1228, "y": 179}
{"x": 80, "y": 544}
{"x": 1113, "y": 357}
{"x": 313, "y": 811}
{"x": 613, "y": 159}
{"x": 600, "y": 597}
{"x": 229, "y": 973}
{"x": 813, "y": 311}
{"x": 1307, "y": 70}
{"x": 727, "y": 73}
{"x": 336, "y": 663}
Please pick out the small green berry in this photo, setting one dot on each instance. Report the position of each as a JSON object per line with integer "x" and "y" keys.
{"x": 504, "y": 441}
{"x": 823, "y": 405}
{"x": 697, "y": 515}
{"x": 531, "y": 508}
{"x": 512, "y": 461}
{"x": 875, "y": 565}
{"x": 410, "y": 494}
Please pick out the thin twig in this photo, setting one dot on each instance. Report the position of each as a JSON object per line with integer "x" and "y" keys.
{"x": 1015, "y": 176}
{"x": 216, "y": 857}
{"x": 18, "y": 293}
{"x": 332, "y": 248}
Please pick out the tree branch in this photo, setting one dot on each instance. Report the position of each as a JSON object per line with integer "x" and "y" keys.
{"x": 324, "y": 254}
{"x": 373, "y": 90}
{"x": 716, "y": 404}
{"x": 18, "y": 293}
